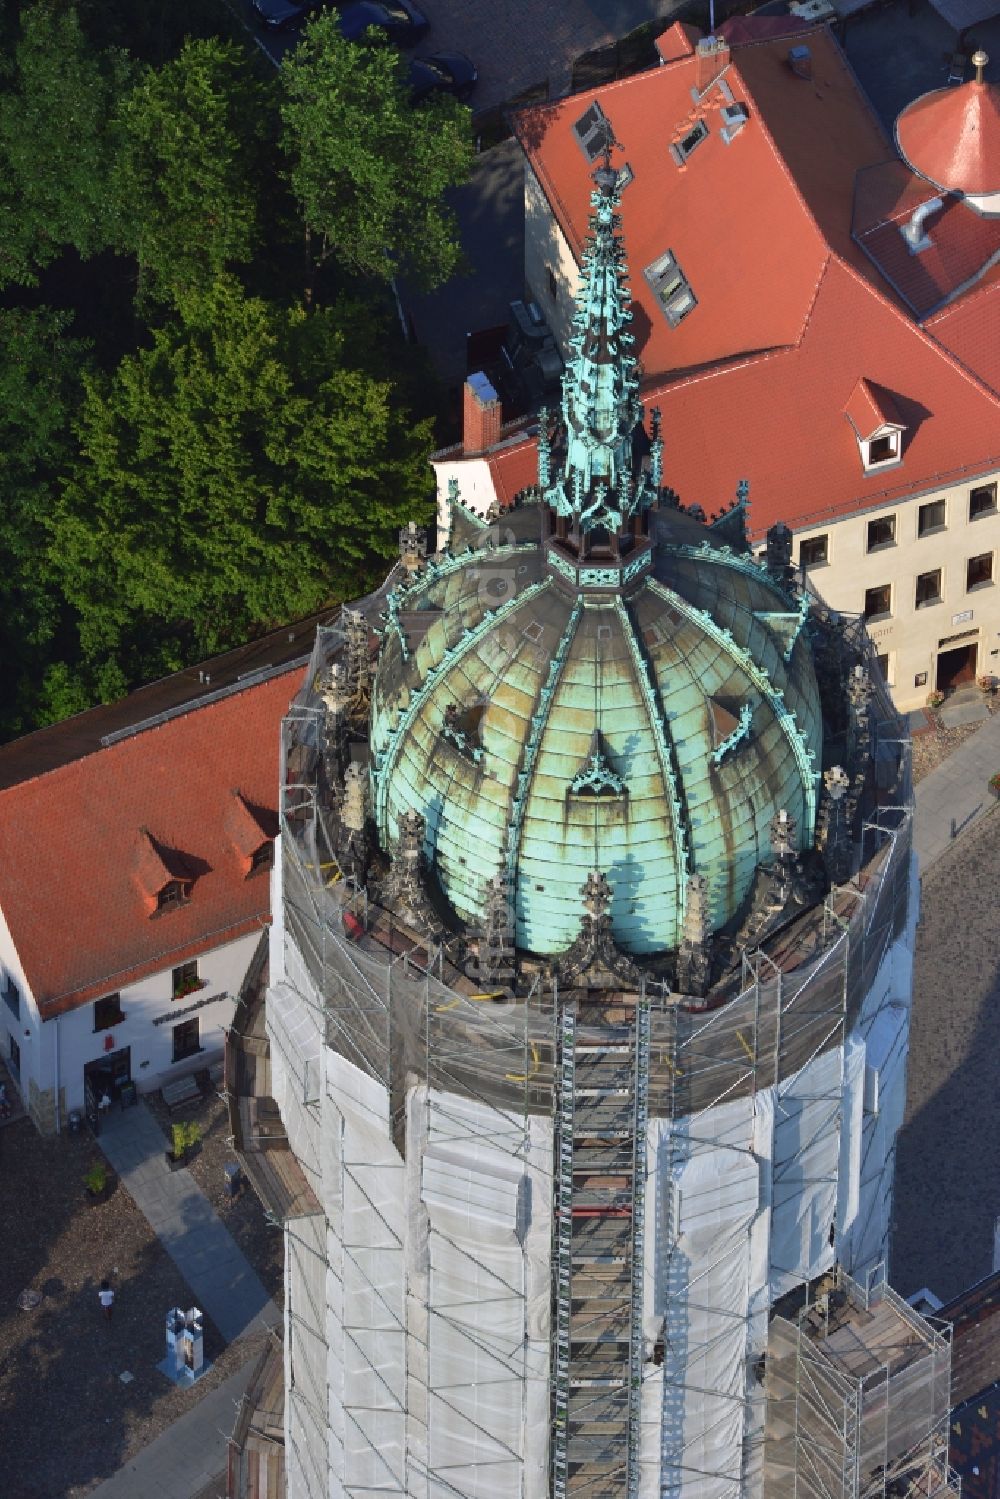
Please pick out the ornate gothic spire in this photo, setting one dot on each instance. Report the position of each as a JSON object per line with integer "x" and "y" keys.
{"x": 597, "y": 483}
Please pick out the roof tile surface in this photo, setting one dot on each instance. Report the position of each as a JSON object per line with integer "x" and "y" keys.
{"x": 791, "y": 312}
{"x": 952, "y": 137}
{"x": 85, "y": 848}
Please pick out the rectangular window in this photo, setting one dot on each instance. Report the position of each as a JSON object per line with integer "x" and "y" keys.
{"x": 108, "y": 1012}
{"x": 878, "y": 601}
{"x": 930, "y": 518}
{"x": 12, "y": 996}
{"x": 883, "y": 449}
{"x": 186, "y": 1039}
{"x": 593, "y": 132}
{"x": 978, "y": 570}
{"x": 15, "y": 1057}
{"x": 814, "y": 552}
{"x": 881, "y": 532}
{"x": 185, "y": 979}
{"x": 670, "y": 286}
{"x": 553, "y": 284}
{"x": 928, "y": 588}
{"x": 883, "y": 666}
{"x": 263, "y": 857}
{"x": 681, "y": 150}
{"x": 982, "y": 501}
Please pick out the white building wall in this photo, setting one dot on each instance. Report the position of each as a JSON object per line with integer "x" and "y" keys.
{"x": 913, "y": 638}
{"x": 54, "y": 1052}
{"x": 746, "y": 1194}
{"x": 437, "y": 1276}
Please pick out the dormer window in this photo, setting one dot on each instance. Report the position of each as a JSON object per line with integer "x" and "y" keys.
{"x": 251, "y": 829}
{"x": 262, "y": 858}
{"x": 884, "y": 449}
{"x": 174, "y": 893}
{"x": 878, "y": 429}
{"x": 165, "y": 877}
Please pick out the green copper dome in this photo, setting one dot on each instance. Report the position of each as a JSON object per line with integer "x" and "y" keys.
{"x": 596, "y": 683}
{"x": 548, "y": 731}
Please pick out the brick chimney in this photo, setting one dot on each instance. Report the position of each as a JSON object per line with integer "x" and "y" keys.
{"x": 711, "y": 59}
{"x": 482, "y": 414}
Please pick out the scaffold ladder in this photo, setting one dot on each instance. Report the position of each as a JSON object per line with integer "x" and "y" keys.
{"x": 564, "y": 1245}
{"x": 641, "y": 1117}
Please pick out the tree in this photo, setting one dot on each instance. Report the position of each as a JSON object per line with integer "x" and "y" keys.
{"x": 40, "y": 374}
{"x": 57, "y": 145}
{"x": 191, "y": 167}
{"x": 370, "y": 169}
{"x": 236, "y": 475}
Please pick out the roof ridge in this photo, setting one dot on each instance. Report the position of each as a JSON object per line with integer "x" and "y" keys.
{"x": 917, "y": 328}
{"x": 183, "y": 710}
{"x": 977, "y": 292}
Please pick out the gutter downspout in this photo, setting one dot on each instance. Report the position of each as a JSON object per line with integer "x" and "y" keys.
{"x": 58, "y": 1110}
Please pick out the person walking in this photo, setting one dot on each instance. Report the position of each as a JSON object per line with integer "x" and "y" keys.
{"x": 107, "y": 1299}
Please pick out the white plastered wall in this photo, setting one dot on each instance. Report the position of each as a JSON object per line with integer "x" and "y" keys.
{"x": 437, "y": 1268}
{"x": 740, "y": 1203}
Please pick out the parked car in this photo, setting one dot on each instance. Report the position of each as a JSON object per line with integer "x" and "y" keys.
{"x": 399, "y": 20}
{"x": 442, "y": 73}
{"x": 279, "y": 14}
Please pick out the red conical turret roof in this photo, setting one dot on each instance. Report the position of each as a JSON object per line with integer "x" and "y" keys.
{"x": 952, "y": 137}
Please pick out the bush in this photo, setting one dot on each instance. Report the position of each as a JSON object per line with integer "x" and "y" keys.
{"x": 96, "y": 1178}
{"x": 185, "y": 1137}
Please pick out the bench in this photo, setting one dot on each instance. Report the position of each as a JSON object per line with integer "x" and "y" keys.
{"x": 176, "y": 1094}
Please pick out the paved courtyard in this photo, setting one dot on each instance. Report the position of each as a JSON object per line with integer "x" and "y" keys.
{"x": 948, "y": 1154}
{"x": 515, "y": 44}
{"x": 898, "y": 56}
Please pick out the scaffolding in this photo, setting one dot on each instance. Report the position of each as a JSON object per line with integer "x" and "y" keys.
{"x": 858, "y": 1397}
{"x": 485, "y": 1097}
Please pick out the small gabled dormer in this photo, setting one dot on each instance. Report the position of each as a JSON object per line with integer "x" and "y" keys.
{"x": 251, "y": 830}
{"x": 162, "y": 875}
{"x": 878, "y": 428}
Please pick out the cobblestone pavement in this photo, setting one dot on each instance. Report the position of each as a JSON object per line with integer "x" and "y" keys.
{"x": 948, "y": 1152}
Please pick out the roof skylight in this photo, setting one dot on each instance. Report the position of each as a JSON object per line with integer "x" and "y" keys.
{"x": 593, "y": 132}
{"x": 671, "y": 287}
{"x": 681, "y": 149}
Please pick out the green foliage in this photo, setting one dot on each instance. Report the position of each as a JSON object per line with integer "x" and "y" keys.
{"x": 184, "y": 1137}
{"x": 41, "y": 370}
{"x": 57, "y": 144}
{"x": 191, "y": 165}
{"x": 214, "y": 463}
{"x": 96, "y": 1179}
{"x": 236, "y": 475}
{"x": 369, "y": 169}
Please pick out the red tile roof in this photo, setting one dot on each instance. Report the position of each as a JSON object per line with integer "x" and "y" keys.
{"x": 961, "y": 246}
{"x": 970, "y": 329}
{"x": 870, "y": 408}
{"x": 679, "y": 40}
{"x": 779, "y": 420}
{"x": 952, "y": 137}
{"x": 791, "y": 312}
{"x": 762, "y": 235}
{"x": 514, "y": 468}
{"x": 85, "y": 847}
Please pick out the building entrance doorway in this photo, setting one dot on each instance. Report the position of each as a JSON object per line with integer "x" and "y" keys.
{"x": 107, "y": 1078}
{"x": 956, "y": 667}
